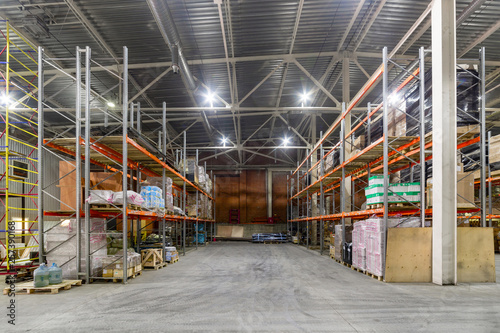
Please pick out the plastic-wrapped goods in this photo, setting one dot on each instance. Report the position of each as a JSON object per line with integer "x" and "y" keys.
{"x": 190, "y": 166}
{"x": 60, "y": 244}
{"x": 369, "y": 241}
{"x": 178, "y": 211}
{"x": 168, "y": 185}
{"x": 153, "y": 198}
{"x": 55, "y": 274}
{"x": 133, "y": 198}
{"x": 169, "y": 202}
{"x": 199, "y": 176}
{"x": 41, "y": 277}
{"x": 209, "y": 185}
{"x": 100, "y": 197}
{"x": 467, "y": 100}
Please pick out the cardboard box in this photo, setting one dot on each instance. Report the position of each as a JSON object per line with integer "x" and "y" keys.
{"x": 465, "y": 190}
{"x": 118, "y": 273}
{"x": 107, "y": 273}
{"x": 359, "y": 143}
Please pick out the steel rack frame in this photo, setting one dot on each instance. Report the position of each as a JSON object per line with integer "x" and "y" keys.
{"x": 118, "y": 154}
{"x": 398, "y": 152}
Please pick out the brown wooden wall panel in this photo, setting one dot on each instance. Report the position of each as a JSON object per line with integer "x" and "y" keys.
{"x": 227, "y": 189}
{"x": 256, "y": 201}
{"x": 279, "y": 194}
{"x": 246, "y": 191}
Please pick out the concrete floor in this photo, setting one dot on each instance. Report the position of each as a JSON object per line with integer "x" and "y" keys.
{"x": 239, "y": 286}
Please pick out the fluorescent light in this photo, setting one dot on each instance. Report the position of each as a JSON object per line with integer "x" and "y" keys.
{"x": 110, "y": 104}
{"x": 304, "y": 97}
{"x": 224, "y": 140}
{"x": 210, "y": 97}
{"x": 286, "y": 141}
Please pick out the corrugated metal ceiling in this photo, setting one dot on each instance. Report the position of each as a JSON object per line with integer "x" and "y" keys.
{"x": 259, "y": 28}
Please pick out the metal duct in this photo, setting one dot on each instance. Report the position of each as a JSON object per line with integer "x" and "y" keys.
{"x": 175, "y": 59}
{"x": 167, "y": 28}
{"x": 166, "y": 24}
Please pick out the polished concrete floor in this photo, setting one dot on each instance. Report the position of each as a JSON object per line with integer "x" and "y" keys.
{"x": 239, "y": 286}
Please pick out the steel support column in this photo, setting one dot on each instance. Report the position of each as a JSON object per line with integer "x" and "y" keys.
{"x": 125, "y": 161}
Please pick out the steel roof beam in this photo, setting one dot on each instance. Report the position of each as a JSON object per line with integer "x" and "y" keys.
{"x": 317, "y": 83}
{"x": 351, "y": 23}
{"x": 480, "y": 39}
{"x": 369, "y": 25}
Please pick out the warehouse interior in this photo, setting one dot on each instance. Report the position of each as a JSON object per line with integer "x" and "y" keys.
{"x": 267, "y": 165}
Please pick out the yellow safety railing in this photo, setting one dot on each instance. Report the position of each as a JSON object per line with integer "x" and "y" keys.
{"x": 19, "y": 151}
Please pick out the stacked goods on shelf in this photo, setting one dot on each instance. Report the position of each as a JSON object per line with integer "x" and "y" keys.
{"x": 190, "y": 168}
{"x": 112, "y": 266}
{"x": 192, "y": 206}
{"x": 374, "y": 243}
{"x": 465, "y": 189}
{"x": 104, "y": 197}
{"x": 359, "y": 142}
{"x": 100, "y": 197}
{"x": 169, "y": 198}
{"x": 332, "y": 251}
{"x": 133, "y": 198}
{"x": 200, "y": 175}
{"x": 467, "y": 102}
{"x": 171, "y": 254}
{"x": 397, "y": 192}
{"x": 359, "y": 245}
{"x": 339, "y": 241}
{"x": 60, "y": 246}
{"x": 332, "y": 160}
{"x": 368, "y": 241}
{"x": 153, "y": 198}
{"x": 114, "y": 239}
{"x": 201, "y": 234}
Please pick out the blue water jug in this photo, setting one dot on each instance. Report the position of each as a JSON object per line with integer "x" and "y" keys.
{"x": 55, "y": 274}
{"x": 41, "y": 276}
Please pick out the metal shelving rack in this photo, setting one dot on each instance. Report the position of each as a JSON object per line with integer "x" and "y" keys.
{"x": 390, "y": 154}
{"x": 121, "y": 150}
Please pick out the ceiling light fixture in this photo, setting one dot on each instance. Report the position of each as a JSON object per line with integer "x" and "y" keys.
{"x": 286, "y": 141}
{"x": 210, "y": 98}
{"x": 304, "y": 97}
{"x": 110, "y": 104}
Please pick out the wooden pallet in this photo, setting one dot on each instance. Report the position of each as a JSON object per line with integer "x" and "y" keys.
{"x": 173, "y": 260}
{"x": 374, "y": 206}
{"x": 404, "y": 205}
{"x": 53, "y": 288}
{"x": 110, "y": 207}
{"x": 156, "y": 267}
{"x": 273, "y": 242}
{"x": 380, "y": 278}
{"x": 358, "y": 269}
{"x": 119, "y": 279}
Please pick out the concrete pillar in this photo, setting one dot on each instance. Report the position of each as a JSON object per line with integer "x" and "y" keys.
{"x": 444, "y": 119}
{"x": 346, "y": 97}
